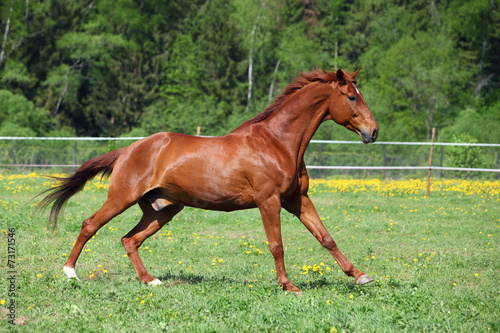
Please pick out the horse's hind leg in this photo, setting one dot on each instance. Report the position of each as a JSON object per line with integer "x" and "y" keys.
{"x": 151, "y": 222}
{"x": 109, "y": 209}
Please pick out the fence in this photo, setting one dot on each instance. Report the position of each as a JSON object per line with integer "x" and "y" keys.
{"x": 324, "y": 158}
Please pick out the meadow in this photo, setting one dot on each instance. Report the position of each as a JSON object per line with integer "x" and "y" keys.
{"x": 434, "y": 260}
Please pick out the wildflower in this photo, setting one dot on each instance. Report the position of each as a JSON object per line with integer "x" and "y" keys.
{"x": 2, "y": 302}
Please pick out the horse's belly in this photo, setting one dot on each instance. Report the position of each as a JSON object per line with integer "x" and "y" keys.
{"x": 209, "y": 199}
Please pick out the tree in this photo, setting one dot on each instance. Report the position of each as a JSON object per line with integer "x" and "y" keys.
{"x": 420, "y": 76}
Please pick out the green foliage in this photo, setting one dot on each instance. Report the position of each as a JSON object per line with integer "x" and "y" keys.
{"x": 466, "y": 157}
{"x": 106, "y": 68}
{"x": 18, "y": 113}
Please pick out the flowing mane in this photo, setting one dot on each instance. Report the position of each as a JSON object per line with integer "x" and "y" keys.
{"x": 303, "y": 80}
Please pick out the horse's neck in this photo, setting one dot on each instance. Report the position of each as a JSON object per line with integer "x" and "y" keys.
{"x": 297, "y": 119}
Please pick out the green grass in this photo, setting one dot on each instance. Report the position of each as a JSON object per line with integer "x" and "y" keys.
{"x": 435, "y": 262}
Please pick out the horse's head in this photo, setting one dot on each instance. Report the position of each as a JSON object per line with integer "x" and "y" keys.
{"x": 349, "y": 109}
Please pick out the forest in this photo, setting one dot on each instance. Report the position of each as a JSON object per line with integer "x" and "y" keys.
{"x": 133, "y": 68}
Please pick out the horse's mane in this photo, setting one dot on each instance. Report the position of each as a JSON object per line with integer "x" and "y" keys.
{"x": 303, "y": 80}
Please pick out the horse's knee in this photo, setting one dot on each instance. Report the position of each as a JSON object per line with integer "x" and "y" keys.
{"x": 328, "y": 242}
{"x": 276, "y": 250}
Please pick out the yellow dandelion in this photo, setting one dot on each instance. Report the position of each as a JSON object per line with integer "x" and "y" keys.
{"x": 2, "y": 302}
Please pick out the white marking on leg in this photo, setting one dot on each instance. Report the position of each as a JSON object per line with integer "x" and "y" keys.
{"x": 70, "y": 272}
{"x": 155, "y": 282}
{"x": 358, "y": 91}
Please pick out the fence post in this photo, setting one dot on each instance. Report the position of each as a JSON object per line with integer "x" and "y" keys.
{"x": 319, "y": 160}
{"x": 385, "y": 158}
{"x": 13, "y": 153}
{"x": 498, "y": 165}
{"x": 430, "y": 164}
{"x": 441, "y": 173}
{"x": 75, "y": 153}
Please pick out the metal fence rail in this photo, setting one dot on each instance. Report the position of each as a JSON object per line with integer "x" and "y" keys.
{"x": 322, "y": 156}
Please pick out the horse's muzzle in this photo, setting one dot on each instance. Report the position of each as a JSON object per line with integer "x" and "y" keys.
{"x": 368, "y": 137}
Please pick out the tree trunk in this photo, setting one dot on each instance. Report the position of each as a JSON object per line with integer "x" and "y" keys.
{"x": 481, "y": 82}
{"x": 7, "y": 29}
{"x": 250, "y": 58}
{"x": 271, "y": 88}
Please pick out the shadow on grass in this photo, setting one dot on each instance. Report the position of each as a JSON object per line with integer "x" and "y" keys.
{"x": 174, "y": 279}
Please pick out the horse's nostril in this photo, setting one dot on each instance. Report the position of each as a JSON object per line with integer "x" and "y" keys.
{"x": 374, "y": 134}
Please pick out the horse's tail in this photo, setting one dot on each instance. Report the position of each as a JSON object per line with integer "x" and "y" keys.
{"x": 68, "y": 187}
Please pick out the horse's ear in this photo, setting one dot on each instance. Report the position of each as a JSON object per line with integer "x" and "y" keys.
{"x": 340, "y": 77}
{"x": 355, "y": 73}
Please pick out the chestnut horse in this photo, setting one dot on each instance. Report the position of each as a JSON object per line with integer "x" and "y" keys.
{"x": 259, "y": 164}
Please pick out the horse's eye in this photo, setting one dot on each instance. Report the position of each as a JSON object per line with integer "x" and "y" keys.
{"x": 353, "y": 98}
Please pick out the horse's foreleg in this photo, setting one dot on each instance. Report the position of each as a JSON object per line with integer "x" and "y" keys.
{"x": 89, "y": 228}
{"x": 270, "y": 212}
{"x": 307, "y": 214}
{"x": 151, "y": 222}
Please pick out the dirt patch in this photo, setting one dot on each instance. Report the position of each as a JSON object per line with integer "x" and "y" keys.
{"x": 18, "y": 321}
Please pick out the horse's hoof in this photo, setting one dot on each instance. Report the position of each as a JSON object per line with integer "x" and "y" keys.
{"x": 155, "y": 282}
{"x": 298, "y": 293}
{"x": 364, "y": 279}
{"x": 70, "y": 273}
